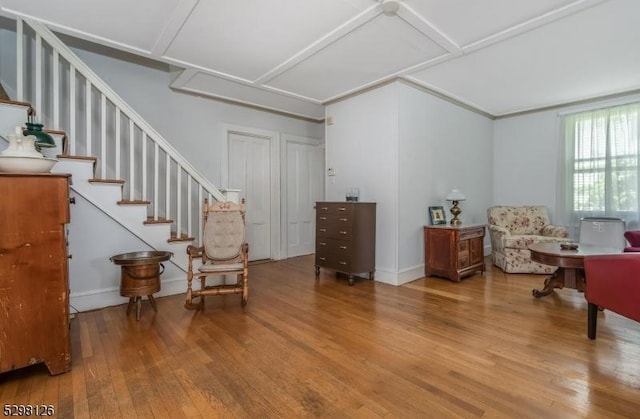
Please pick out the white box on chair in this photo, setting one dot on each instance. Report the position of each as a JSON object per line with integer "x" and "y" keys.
{"x": 602, "y": 231}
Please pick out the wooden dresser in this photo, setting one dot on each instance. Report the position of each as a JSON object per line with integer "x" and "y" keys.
{"x": 346, "y": 237}
{"x": 453, "y": 251}
{"x": 34, "y": 283}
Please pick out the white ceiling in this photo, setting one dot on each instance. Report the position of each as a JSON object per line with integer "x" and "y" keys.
{"x": 294, "y": 56}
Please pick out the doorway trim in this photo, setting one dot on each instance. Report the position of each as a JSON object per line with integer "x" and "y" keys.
{"x": 274, "y": 166}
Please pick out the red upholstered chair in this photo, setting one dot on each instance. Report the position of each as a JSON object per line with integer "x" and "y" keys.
{"x": 612, "y": 283}
{"x": 633, "y": 237}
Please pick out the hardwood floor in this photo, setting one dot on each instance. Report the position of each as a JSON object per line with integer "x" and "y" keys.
{"x": 305, "y": 347}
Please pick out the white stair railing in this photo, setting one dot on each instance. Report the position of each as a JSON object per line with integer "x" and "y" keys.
{"x": 100, "y": 124}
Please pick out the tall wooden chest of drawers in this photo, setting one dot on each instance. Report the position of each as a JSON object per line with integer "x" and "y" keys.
{"x": 34, "y": 283}
{"x": 453, "y": 251}
{"x": 346, "y": 237}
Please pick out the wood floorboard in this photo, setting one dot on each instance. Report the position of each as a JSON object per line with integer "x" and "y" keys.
{"x": 307, "y": 347}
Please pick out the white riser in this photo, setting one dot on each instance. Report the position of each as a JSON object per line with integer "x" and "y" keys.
{"x": 106, "y": 197}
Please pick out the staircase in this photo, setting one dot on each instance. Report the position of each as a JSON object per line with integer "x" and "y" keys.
{"x": 118, "y": 162}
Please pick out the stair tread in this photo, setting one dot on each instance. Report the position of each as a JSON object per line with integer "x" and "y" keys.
{"x": 74, "y": 157}
{"x": 134, "y": 202}
{"x": 117, "y": 181}
{"x": 183, "y": 238}
{"x": 150, "y": 220}
{"x": 27, "y": 105}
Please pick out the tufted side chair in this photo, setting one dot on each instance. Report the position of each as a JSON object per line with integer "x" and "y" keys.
{"x": 224, "y": 252}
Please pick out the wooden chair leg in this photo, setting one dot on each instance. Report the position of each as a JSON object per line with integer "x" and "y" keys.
{"x": 189, "y": 304}
{"x": 243, "y": 281}
{"x": 592, "y": 320}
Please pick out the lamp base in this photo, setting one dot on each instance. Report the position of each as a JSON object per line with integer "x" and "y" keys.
{"x": 455, "y": 211}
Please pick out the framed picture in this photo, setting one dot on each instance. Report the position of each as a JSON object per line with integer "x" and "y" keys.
{"x": 436, "y": 215}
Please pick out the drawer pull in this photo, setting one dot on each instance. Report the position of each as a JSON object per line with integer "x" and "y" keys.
{"x": 343, "y": 263}
{"x": 343, "y": 232}
{"x": 322, "y": 244}
{"x": 324, "y": 208}
{"x": 321, "y": 258}
{"x": 342, "y": 209}
{"x": 323, "y": 218}
{"x": 343, "y": 247}
{"x": 323, "y": 229}
{"x": 343, "y": 219}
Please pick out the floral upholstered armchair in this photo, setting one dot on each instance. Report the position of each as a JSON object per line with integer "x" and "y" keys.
{"x": 513, "y": 229}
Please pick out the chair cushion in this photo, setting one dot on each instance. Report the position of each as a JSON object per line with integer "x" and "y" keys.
{"x": 523, "y": 241}
{"x": 221, "y": 267}
{"x": 555, "y": 231}
{"x": 633, "y": 237}
{"x": 223, "y": 235}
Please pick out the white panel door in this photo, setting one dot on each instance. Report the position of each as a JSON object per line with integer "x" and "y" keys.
{"x": 249, "y": 171}
{"x": 305, "y": 186}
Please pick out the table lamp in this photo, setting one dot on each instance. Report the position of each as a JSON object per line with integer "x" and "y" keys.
{"x": 455, "y": 196}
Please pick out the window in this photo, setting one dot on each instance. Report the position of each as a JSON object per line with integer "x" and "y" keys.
{"x": 602, "y": 162}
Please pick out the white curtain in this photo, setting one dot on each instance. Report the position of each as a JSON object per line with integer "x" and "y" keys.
{"x": 599, "y": 162}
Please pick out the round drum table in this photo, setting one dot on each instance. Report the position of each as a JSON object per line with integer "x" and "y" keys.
{"x": 140, "y": 275}
{"x": 570, "y": 263}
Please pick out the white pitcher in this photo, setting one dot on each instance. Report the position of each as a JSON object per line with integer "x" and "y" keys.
{"x": 21, "y": 146}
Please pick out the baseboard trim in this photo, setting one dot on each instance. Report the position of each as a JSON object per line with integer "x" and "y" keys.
{"x": 107, "y": 297}
{"x": 401, "y": 277}
{"x": 411, "y": 274}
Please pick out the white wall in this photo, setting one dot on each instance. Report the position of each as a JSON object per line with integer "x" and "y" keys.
{"x": 405, "y": 149}
{"x": 526, "y": 159}
{"x": 93, "y": 239}
{"x": 442, "y": 146}
{"x": 361, "y": 147}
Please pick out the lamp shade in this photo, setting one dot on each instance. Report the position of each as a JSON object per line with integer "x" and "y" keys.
{"x": 455, "y": 195}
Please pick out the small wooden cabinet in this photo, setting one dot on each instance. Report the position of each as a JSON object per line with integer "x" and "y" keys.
{"x": 453, "y": 251}
{"x": 34, "y": 284}
{"x": 346, "y": 237}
